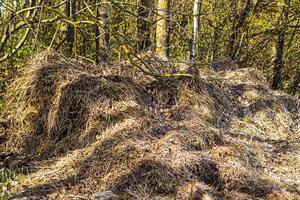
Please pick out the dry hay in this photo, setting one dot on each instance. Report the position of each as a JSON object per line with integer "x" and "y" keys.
{"x": 110, "y": 128}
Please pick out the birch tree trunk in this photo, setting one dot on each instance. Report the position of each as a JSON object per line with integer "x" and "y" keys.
{"x": 162, "y": 28}
{"x": 196, "y": 24}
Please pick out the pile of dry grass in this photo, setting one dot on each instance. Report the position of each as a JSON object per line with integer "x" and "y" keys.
{"x": 111, "y": 128}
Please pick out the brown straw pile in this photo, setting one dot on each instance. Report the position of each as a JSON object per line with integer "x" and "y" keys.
{"x": 94, "y": 129}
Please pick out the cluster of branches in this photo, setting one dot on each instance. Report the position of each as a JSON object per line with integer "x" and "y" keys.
{"x": 253, "y": 33}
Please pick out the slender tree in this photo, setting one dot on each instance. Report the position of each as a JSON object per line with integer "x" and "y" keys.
{"x": 296, "y": 84}
{"x": 106, "y": 27}
{"x": 196, "y": 24}
{"x": 239, "y": 21}
{"x": 143, "y": 25}
{"x": 278, "y": 62}
{"x": 162, "y": 28}
{"x": 97, "y": 38}
{"x": 70, "y": 11}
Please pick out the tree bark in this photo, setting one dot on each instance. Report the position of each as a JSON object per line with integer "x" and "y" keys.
{"x": 106, "y": 26}
{"x": 143, "y": 25}
{"x": 278, "y": 62}
{"x": 70, "y": 11}
{"x": 162, "y": 28}
{"x": 168, "y": 42}
{"x": 97, "y": 39}
{"x": 238, "y": 23}
{"x": 296, "y": 84}
{"x": 196, "y": 25}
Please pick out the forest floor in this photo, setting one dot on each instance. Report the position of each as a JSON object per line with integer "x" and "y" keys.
{"x": 111, "y": 132}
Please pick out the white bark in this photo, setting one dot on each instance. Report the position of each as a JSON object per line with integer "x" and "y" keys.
{"x": 196, "y": 24}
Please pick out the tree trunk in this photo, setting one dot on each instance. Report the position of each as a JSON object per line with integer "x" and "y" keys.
{"x": 196, "y": 24}
{"x": 97, "y": 39}
{"x": 143, "y": 25}
{"x": 278, "y": 62}
{"x": 168, "y": 41}
{"x": 70, "y": 11}
{"x": 215, "y": 44}
{"x": 238, "y": 23}
{"x": 106, "y": 26}
{"x": 296, "y": 84}
{"x": 162, "y": 28}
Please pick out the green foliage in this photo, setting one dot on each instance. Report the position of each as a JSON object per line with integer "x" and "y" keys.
{"x": 247, "y": 119}
{"x": 255, "y": 37}
{"x": 8, "y": 180}
{"x": 6, "y": 176}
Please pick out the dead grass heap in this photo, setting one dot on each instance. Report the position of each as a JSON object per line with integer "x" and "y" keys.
{"x": 219, "y": 135}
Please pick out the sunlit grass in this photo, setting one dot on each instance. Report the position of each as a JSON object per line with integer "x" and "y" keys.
{"x": 8, "y": 180}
